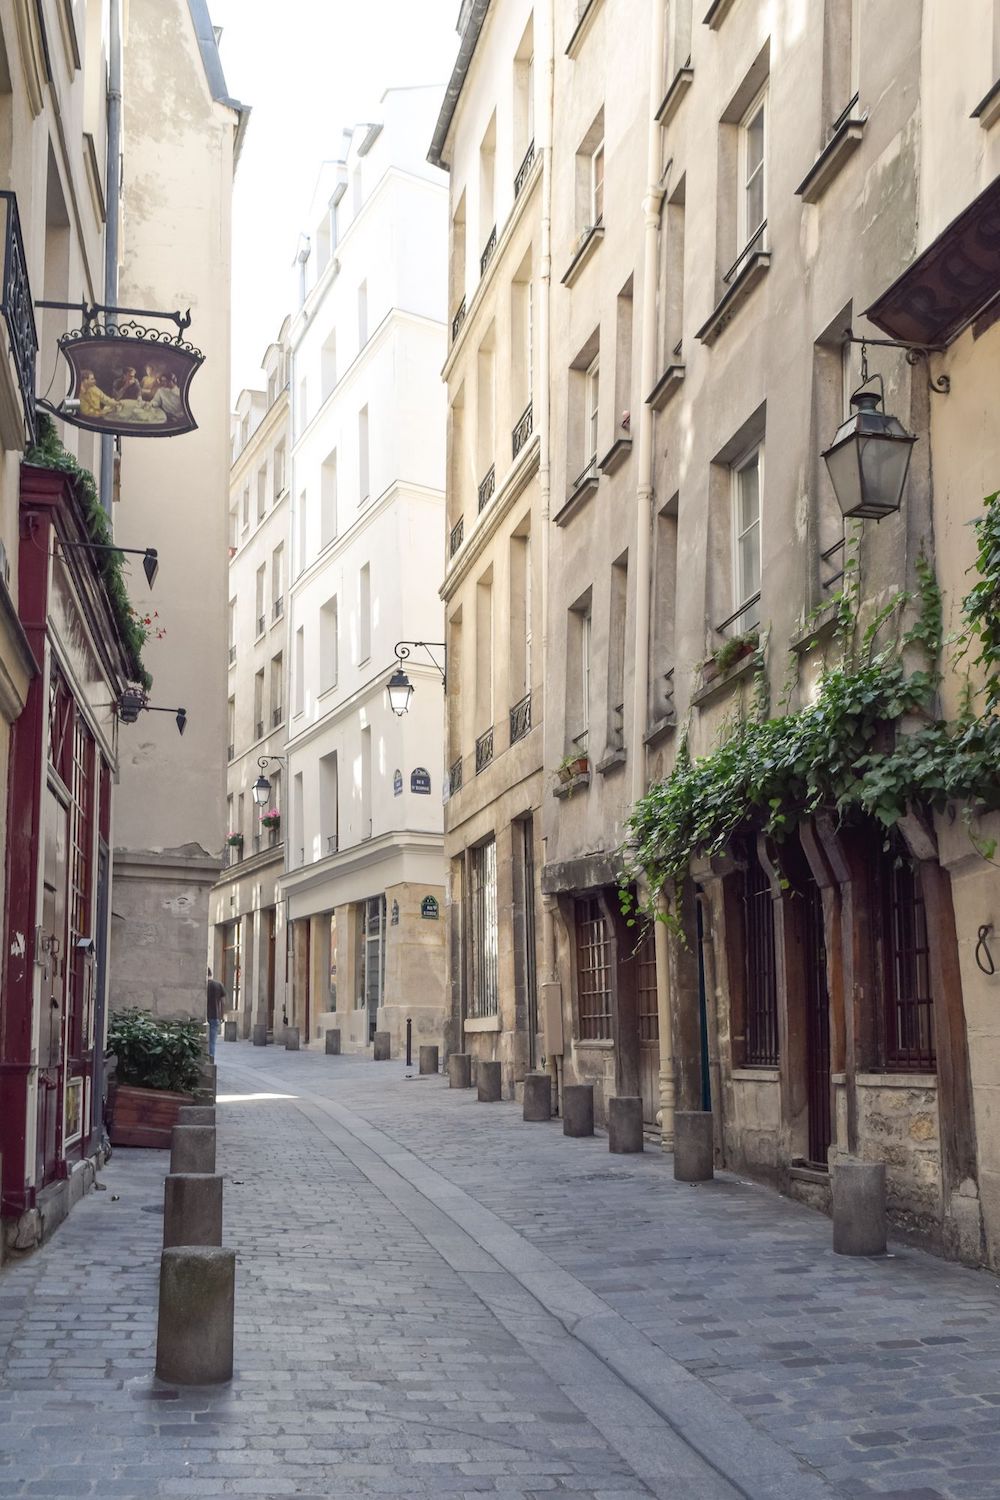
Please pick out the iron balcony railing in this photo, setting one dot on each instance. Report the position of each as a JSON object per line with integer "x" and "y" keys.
{"x": 520, "y": 719}
{"x": 488, "y": 250}
{"x": 522, "y": 430}
{"x": 279, "y": 607}
{"x": 275, "y": 717}
{"x": 457, "y": 536}
{"x": 487, "y": 487}
{"x": 259, "y": 729}
{"x": 829, "y": 557}
{"x": 230, "y": 751}
{"x": 458, "y": 320}
{"x": 523, "y": 170}
{"x": 618, "y": 727}
{"x": 747, "y": 617}
{"x": 331, "y": 843}
{"x": 455, "y": 777}
{"x": 667, "y": 691}
{"x": 18, "y": 313}
{"x": 261, "y": 624}
{"x": 232, "y": 655}
{"x": 755, "y": 243}
{"x": 484, "y": 750}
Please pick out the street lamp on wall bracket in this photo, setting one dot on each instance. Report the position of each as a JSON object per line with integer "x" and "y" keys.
{"x": 399, "y": 687}
{"x": 132, "y": 702}
{"x": 262, "y": 786}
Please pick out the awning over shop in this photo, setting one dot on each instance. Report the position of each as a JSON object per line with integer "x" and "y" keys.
{"x": 955, "y": 279}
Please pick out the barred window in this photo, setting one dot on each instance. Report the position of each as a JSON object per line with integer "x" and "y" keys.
{"x": 760, "y": 988}
{"x": 593, "y": 972}
{"x": 906, "y": 1021}
{"x": 485, "y": 930}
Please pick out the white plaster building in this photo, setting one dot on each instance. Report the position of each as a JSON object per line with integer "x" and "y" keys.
{"x": 364, "y": 880}
{"x": 248, "y": 938}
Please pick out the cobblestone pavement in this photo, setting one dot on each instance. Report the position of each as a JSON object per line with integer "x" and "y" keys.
{"x": 436, "y": 1299}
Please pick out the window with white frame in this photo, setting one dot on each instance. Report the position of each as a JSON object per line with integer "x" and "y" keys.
{"x": 752, "y": 207}
{"x": 597, "y": 183}
{"x": 591, "y": 410}
{"x": 747, "y": 483}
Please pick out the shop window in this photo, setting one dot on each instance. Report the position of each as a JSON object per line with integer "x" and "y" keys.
{"x": 593, "y": 972}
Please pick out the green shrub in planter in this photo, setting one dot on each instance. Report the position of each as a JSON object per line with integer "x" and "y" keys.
{"x": 155, "y": 1054}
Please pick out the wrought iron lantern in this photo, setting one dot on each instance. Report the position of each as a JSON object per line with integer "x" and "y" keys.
{"x": 262, "y": 790}
{"x": 869, "y": 458}
{"x": 400, "y": 690}
{"x": 131, "y": 704}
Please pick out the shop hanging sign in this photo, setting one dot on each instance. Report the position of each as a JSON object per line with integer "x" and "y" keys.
{"x": 128, "y": 379}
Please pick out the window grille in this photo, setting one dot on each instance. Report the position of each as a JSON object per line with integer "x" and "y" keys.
{"x": 906, "y": 1041}
{"x": 761, "y": 996}
{"x": 649, "y": 1015}
{"x": 593, "y": 972}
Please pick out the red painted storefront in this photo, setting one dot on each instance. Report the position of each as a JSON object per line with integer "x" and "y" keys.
{"x": 55, "y": 924}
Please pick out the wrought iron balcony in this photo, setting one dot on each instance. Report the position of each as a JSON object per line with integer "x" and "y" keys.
{"x": 667, "y": 691}
{"x": 487, "y": 487}
{"x": 261, "y": 624}
{"x": 618, "y": 727}
{"x": 522, "y": 431}
{"x": 276, "y": 715}
{"x": 458, "y": 320}
{"x": 835, "y": 558}
{"x": 488, "y": 250}
{"x": 520, "y": 719}
{"x": 279, "y": 607}
{"x": 232, "y": 655}
{"x": 455, "y": 777}
{"x": 18, "y": 312}
{"x": 331, "y": 843}
{"x": 230, "y": 751}
{"x": 523, "y": 170}
{"x": 457, "y": 536}
{"x": 258, "y": 729}
{"x": 484, "y": 750}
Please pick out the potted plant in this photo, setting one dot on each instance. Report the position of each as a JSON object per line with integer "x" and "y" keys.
{"x": 574, "y": 764}
{"x": 729, "y": 653}
{"x": 234, "y": 840}
{"x": 158, "y": 1067}
{"x": 271, "y": 818}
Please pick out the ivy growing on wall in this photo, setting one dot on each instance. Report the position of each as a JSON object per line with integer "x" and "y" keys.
{"x": 846, "y": 750}
{"x": 49, "y": 453}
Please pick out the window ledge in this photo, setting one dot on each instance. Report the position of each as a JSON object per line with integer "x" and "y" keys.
{"x": 668, "y": 384}
{"x": 576, "y": 501}
{"x": 595, "y": 1044}
{"x": 755, "y": 1075}
{"x": 822, "y": 625}
{"x": 841, "y": 145}
{"x": 717, "y": 13}
{"x": 815, "y": 1175}
{"x": 683, "y": 79}
{"x": 589, "y": 241}
{"x": 896, "y": 1080}
{"x": 616, "y": 455}
{"x": 574, "y": 784}
{"x": 481, "y": 1023}
{"x": 735, "y": 295}
{"x": 745, "y": 667}
{"x": 583, "y": 25}
{"x": 659, "y": 729}
{"x": 611, "y": 762}
{"x": 987, "y": 111}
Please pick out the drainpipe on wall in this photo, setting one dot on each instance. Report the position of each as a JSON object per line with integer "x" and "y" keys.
{"x": 651, "y": 206}
{"x": 551, "y": 987}
{"x": 112, "y": 172}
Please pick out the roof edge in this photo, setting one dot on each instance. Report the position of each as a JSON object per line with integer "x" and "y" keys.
{"x": 452, "y": 93}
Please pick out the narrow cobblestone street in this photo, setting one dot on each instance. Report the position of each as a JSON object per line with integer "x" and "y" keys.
{"x": 434, "y": 1298}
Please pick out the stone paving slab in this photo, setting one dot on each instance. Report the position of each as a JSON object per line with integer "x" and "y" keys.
{"x": 435, "y": 1299}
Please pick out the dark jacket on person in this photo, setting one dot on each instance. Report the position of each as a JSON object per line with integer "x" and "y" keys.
{"x": 216, "y": 995}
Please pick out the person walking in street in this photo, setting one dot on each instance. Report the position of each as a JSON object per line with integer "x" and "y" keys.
{"x": 213, "y": 1010}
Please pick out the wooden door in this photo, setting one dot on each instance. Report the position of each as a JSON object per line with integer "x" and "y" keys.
{"x": 53, "y": 1008}
{"x": 649, "y": 1030}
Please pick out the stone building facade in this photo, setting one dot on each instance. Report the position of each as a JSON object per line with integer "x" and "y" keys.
{"x": 733, "y": 205}
{"x": 362, "y": 888}
{"x": 248, "y": 931}
{"x": 492, "y": 136}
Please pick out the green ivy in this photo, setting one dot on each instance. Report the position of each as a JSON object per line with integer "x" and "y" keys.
{"x": 49, "y": 453}
{"x": 845, "y": 750}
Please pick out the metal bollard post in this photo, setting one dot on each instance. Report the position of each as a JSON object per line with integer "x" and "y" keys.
{"x": 409, "y": 1041}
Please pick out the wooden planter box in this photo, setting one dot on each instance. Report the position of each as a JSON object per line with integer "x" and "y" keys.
{"x": 144, "y": 1117}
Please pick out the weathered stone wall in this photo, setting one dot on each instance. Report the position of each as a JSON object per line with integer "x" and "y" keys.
{"x": 159, "y": 931}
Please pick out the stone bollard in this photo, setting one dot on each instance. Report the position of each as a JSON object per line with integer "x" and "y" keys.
{"x": 428, "y": 1059}
{"x": 291, "y": 1039}
{"x": 333, "y": 1044}
{"x": 460, "y": 1070}
{"x": 578, "y": 1109}
{"x": 380, "y": 1046}
{"x": 229, "y": 1031}
{"x": 192, "y": 1148}
{"x": 196, "y": 1114}
{"x": 537, "y": 1097}
{"x": 694, "y": 1146}
{"x": 260, "y": 1034}
{"x": 192, "y": 1209}
{"x": 488, "y": 1082}
{"x": 194, "y": 1334}
{"x": 859, "y": 1220}
{"x": 624, "y": 1124}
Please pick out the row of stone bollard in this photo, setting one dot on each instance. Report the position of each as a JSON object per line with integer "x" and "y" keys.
{"x": 195, "y": 1326}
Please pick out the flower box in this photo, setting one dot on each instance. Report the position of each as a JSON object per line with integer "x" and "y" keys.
{"x": 144, "y": 1117}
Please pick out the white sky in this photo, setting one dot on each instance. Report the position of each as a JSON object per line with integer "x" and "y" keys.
{"x": 307, "y": 68}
